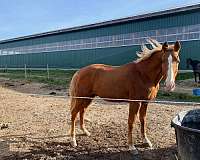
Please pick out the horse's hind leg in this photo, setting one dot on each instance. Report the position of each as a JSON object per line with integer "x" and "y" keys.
{"x": 133, "y": 110}
{"x": 79, "y": 106}
{"x": 74, "y": 113}
{"x": 82, "y": 112}
{"x": 142, "y": 116}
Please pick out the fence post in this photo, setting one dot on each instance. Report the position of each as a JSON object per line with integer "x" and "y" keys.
{"x": 6, "y": 69}
{"x": 47, "y": 71}
{"x": 25, "y": 74}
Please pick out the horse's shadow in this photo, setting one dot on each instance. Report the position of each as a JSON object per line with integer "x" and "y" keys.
{"x": 63, "y": 150}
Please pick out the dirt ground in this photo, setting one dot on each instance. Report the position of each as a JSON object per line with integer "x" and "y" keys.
{"x": 36, "y": 127}
{"x": 186, "y": 86}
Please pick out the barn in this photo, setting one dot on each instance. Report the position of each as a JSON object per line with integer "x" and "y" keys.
{"x": 113, "y": 42}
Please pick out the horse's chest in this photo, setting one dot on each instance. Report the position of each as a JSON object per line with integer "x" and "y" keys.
{"x": 146, "y": 92}
{"x": 152, "y": 93}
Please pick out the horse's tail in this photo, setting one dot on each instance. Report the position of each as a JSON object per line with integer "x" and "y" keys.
{"x": 72, "y": 91}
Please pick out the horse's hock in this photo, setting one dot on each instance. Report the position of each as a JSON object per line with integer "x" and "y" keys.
{"x": 187, "y": 129}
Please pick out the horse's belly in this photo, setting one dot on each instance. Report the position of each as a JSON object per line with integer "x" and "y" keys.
{"x": 111, "y": 85}
{"x": 110, "y": 94}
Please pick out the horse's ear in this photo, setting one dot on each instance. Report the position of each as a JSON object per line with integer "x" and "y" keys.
{"x": 165, "y": 46}
{"x": 177, "y": 46}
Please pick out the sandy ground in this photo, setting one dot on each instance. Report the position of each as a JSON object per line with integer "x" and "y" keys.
{"x": 36, "y": 127}
{"x": 28, "y": 87}
{"x": 186, "y": 86}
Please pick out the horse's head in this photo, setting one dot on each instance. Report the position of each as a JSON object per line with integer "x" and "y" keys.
{"x": 188, "y": 62}
{"x": 170, "y": 62}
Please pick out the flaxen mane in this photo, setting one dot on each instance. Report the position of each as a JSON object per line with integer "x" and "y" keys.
{"x": 146, "y": 53}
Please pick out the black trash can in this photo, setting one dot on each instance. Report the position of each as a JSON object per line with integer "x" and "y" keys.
{"x": 187, "y": 129}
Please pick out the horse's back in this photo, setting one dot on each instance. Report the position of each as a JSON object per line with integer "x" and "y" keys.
{"x": 112, "y": 82}
{"x": 106, "y": 81}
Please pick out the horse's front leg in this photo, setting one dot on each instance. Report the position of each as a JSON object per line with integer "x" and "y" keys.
{"x": 72, "y": 130}
{"x": 143, "y": 111}
{"x": 133, "y": 110}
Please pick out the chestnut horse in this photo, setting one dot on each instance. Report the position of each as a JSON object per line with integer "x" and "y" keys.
{"x": 137, "y": 80}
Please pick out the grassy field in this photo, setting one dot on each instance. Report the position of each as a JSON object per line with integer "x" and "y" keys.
{"x": 62, "y": 78}
{"x": 56, "y": 77}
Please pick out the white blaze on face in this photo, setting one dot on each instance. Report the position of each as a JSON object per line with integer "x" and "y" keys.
{"x": 169, "y": 82}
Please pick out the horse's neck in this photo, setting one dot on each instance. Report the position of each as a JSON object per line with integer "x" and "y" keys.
{"x": 151, "y": 69}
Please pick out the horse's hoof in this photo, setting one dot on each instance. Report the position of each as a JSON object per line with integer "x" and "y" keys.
{"x": 133, "y": 150}
{"x": 87, "y": 133}
{"x": 73, "y": 143}
{"x": 147, "y": 143}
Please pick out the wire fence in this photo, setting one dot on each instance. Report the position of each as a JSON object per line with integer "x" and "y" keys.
{"x": 48, "y": 73}
{"x": 138, "y": 100}
{"x": 26, "y": 69}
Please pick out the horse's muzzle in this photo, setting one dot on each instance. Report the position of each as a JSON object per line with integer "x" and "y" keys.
{"x": 169, "y": 86}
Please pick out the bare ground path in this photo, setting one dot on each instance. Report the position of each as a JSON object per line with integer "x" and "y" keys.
{"x": 38, "y": 129}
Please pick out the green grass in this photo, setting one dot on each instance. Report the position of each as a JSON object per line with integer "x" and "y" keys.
{"x": 56, "y": 77}
{"x": 184, "y": 76}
